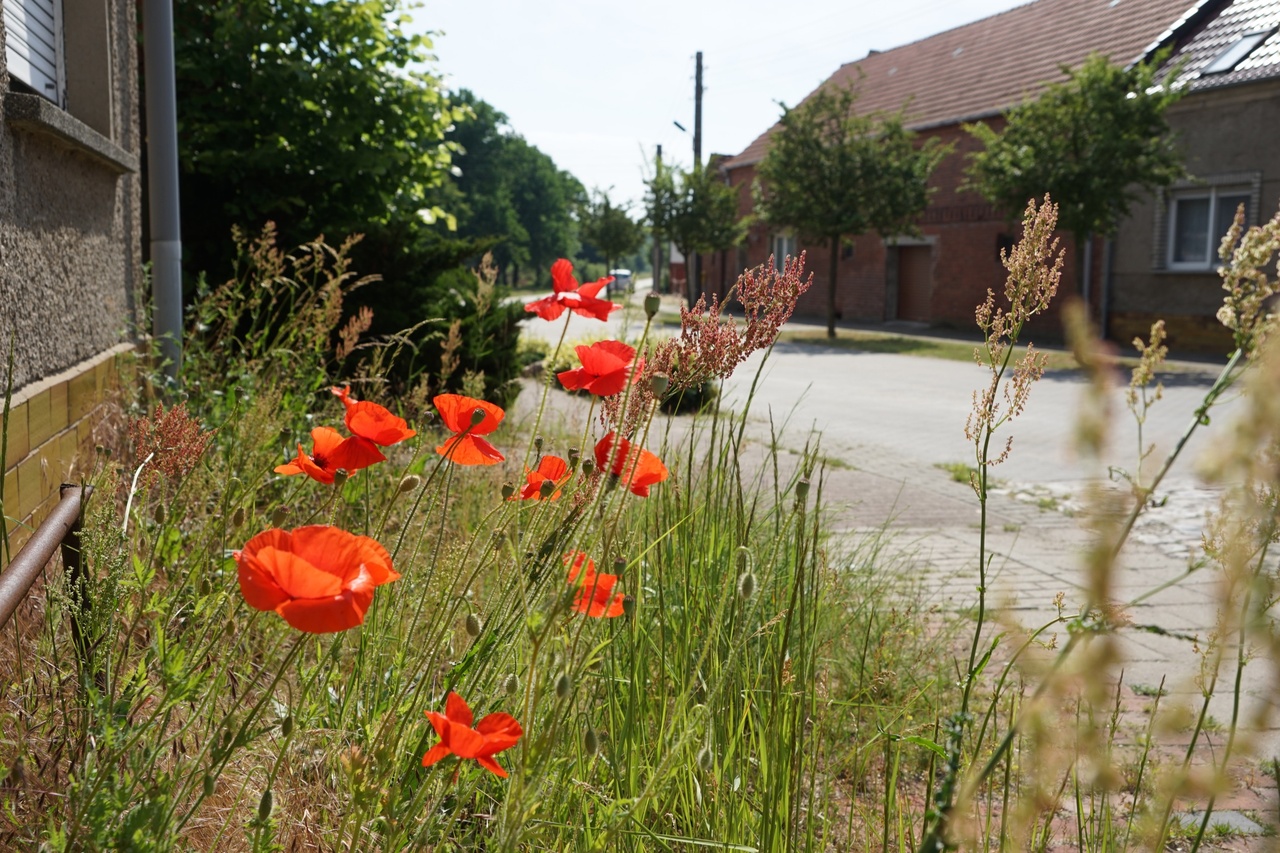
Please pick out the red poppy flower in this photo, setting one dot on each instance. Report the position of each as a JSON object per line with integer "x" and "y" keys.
{"x": 329, "y": 452}
{"x": 595, "y": 595}
{"x": 639, "y": 468}
{"x": 567, "y": 294}
{"x": 465, "y": 446}
{"x": 495, "y": 733}
{"x": 550, "y": 469}
{"x": 319, "y": 578}
{"x": 605, "y": 367}
{"x": 372, "y": 422}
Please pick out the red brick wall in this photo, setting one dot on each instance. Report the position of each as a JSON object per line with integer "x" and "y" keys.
{"x": 962, "y": 227}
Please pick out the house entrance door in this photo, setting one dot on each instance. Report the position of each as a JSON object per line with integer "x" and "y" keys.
{"x": 914, "y": 282}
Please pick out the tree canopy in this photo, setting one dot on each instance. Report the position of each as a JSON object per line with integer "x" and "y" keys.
{"x": 831, "y": 172}
{"x": 609, "y": 228}
{"x": 315, "y": 115}
{"x": 1092, "y": 142}
{"x": 694, "y": 209}
{"x": 507, "y": 188}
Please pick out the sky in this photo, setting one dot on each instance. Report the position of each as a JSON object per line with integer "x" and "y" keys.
{"x": 598, "y": 85}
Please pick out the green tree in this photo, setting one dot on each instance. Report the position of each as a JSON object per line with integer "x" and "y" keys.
{"x": 609, "y": 228}
{"x": 696, "y": 210}
{"x": 831, "y": 172}
{"x": 315, "y": 115}
{"x": 506, "y": 188}
{"x": 1092, "y": 143}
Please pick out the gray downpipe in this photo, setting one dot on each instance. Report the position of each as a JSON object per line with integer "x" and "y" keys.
{"x": 162, "y": 176}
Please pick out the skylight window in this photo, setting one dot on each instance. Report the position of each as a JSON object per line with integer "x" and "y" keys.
{"x": 1237, "y": 51}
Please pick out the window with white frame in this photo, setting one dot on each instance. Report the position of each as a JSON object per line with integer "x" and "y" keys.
{"x": 782, "y": 247}
{"x": 33, "y": 45}
{"x": 1198, "y": 218}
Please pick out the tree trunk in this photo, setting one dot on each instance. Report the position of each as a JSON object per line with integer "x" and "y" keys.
{"x": 831, "y": 286}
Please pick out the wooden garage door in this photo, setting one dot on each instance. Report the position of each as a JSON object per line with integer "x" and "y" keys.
{"x": 914, "y": 282}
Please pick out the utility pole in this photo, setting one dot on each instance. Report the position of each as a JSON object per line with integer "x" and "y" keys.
{"x": 693, "y": 264}
{"x": 657, "y": 238}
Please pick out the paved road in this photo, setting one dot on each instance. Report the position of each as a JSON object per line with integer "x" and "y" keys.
{"x": 886, "y": 421}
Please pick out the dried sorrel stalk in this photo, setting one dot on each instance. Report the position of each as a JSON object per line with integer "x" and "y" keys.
{"x": 711, "y": 343}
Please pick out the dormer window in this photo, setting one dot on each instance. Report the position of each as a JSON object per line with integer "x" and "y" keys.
{"x": 1236, "y": 52}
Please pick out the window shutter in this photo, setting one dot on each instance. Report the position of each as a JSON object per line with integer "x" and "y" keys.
{"x": 33, "y": 44}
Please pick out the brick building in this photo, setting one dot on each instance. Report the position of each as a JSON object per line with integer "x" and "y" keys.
{"x": 70, "y": 235}
{"x": 969, "y": 74}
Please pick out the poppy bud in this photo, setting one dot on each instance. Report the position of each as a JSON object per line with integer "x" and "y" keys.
{"x": 658, "y": 384}
{"x": 339, "y": 478}
{"x": 746, "y": 585}
{"x": 587, "y": 467}
{"x": 802, "y": 490}
{"x": 590, "y": 742}
{"x": 628, "y": 606}
{"x": 564, "y": 686}
{"x": 473, "y": 625}
{"x": 705, "y": 759}
{"x": 575, "y": 455}
{"x": 264, "y": 805}
{"x": 279, "y": 515}
{"x": 408, "y": 484}
{"x": 511, "y": 684}
{"x": 547, "y": 487}
{"x": 508, "y": 489}
{"x": 208, "y": 785}
{"x": 158, "y": 514}
{"x": 286, "y": 726}
{"x": 237, "y": 517}
{"x": 537, "y": 444}
{"x": 652, "y": 302}
{"x": 477, "y": 416}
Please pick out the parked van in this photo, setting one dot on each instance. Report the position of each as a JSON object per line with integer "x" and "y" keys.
{"x": 621, "y": 282}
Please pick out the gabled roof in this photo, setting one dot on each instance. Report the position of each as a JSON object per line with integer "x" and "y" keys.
{"x": 1250, "y": 59}
{"x": 981, "y": 69}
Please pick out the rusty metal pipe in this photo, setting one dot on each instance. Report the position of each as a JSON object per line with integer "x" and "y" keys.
{"x": 21, "y": 573}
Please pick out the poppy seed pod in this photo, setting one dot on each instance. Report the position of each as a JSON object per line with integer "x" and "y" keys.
{"x": 564, "y": 686}
{"x": 477, "y": 416}
{"x": 590, "y": 742}
{"x": 473, "y": 625}
{"x": 652, "y": 303}
{"x": 409, "y": 483}
{"x": 587, "y": 467}
{"x": 658, "y": 384}
{"x": 237, "y": 517}
{"x": 340, "y": 477}
{"x": 547, "y": 487}
{"x": 511, "y": 684}
{"x": 619, "y": 565}
{"x": 802, "y": 489}
{"x": 537, "y": 443}
{"x": 628, "y": 606}
{"x": 508, "y": 489}
{"x": 706, "y": 760}
{"x": 279, "y": 516}
{"x": 575, "y": 456}
{"x": 264, "y": 805}
{"x": 746, "y": 585}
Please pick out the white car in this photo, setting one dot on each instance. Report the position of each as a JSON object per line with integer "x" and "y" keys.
{"x": 621, "y": 282}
